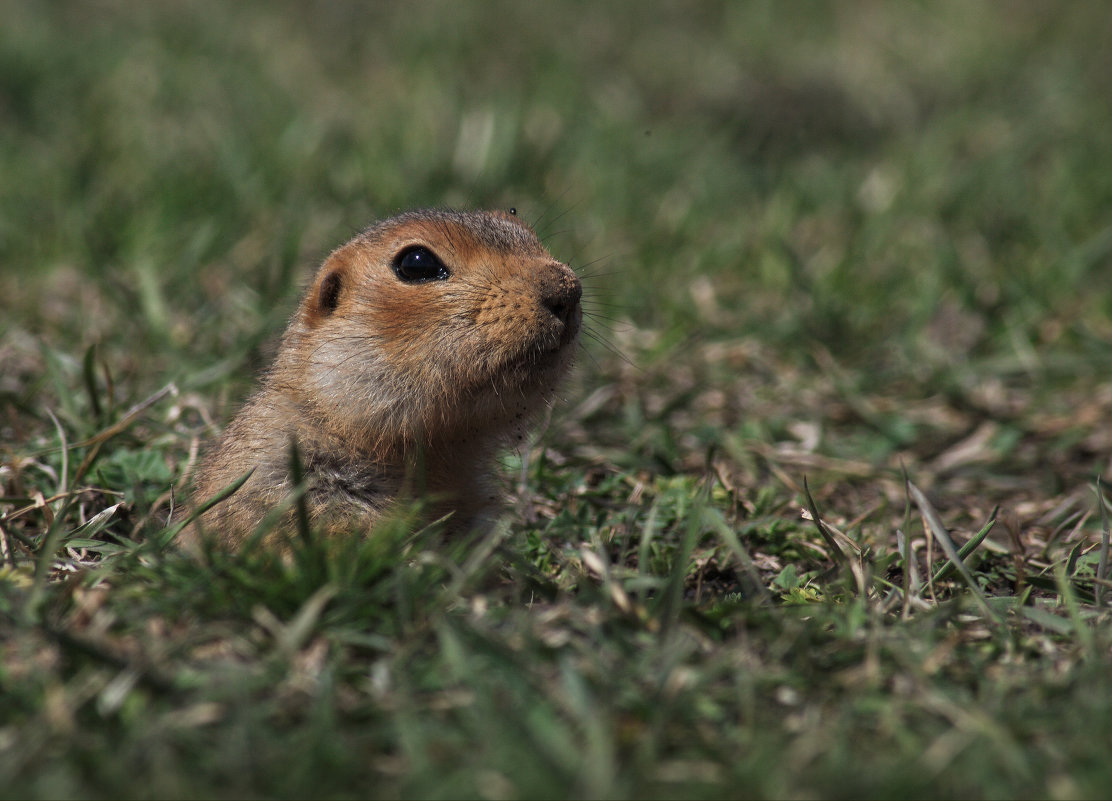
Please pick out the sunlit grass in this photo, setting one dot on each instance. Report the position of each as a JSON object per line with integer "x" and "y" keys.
{"x": 848, "y": 287}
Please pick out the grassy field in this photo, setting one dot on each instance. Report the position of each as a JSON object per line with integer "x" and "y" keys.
{"x": 849, "y": 280}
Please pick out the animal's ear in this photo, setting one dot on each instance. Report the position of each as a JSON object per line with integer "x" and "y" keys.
{"x": 324, "y": 298}
{"x": 328, "y": 293}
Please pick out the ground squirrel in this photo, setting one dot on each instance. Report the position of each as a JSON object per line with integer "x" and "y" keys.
{"x": 421, "y": 347}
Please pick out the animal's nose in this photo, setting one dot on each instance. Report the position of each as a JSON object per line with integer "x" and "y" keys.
{"x": 561, "y": 293}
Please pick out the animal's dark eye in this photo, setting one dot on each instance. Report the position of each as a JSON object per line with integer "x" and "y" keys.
{"x": 417, "y": 265}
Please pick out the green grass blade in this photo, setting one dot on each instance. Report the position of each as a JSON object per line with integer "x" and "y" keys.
{"x": 969, "y": 546}
{"x": 943, "y": 537}
{"x": 171, "y": 533}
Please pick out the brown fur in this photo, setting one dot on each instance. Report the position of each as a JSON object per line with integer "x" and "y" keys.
{"x": 390, "y": 387}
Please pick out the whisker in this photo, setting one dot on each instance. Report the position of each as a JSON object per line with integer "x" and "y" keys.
{"x": 605, "y": 304}
{"x": 551, "y": 206}
{"x": 584, "y": 349}
{"x": 616, "y": 321}
{"x": 565, "y": 211}
{"x": 600, "y": 258}
{"x": 609, "y": 346}
{"x": 553, "y": 234}
{"x": 610, "y": 274}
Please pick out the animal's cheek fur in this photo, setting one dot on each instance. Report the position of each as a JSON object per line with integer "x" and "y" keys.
{"x": 415, "y": 337}
{"x": 338, "y": 373}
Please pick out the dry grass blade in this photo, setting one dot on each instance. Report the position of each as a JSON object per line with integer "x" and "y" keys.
{"x": 912, "y": 582}
{"x": 1102, "y": 565}
{"x": 129, "y": 416}
{"x": 824, "y": 532}
{"x": 63, "y": 481}
{"x": 121, "y": 425}
{"x": 828, "y": 535}
{"x": 943, "y": 537}
{"x": 97, "y": 523}
{"x": 903, "y": 543}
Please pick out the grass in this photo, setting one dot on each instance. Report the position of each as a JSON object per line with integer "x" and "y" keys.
{"x": 849, "y": 292}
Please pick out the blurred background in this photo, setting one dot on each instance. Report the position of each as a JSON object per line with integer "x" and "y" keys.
{"x": 918, "y": 191}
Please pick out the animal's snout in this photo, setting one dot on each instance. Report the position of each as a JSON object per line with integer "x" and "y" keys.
{"x": 561, "y": 292}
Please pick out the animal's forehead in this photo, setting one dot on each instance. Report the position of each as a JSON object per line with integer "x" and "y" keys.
{"x": 462, "y": 232}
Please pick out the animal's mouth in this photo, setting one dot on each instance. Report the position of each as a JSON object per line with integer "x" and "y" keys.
{"x": 572, "y": 324}
{"x": 566, "y": 338}
{"x": 543, "y": 356}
